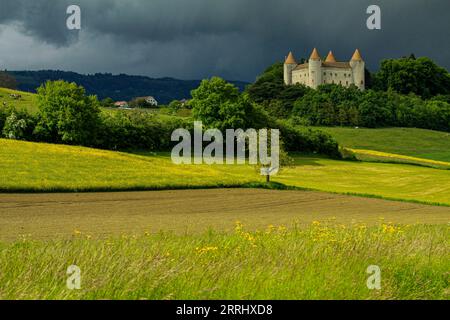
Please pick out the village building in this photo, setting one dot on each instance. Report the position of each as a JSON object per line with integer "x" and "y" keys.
{"x": 121, "y": 104}
{"x": 149, "y": 100}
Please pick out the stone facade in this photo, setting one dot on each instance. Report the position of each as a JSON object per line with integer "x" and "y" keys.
{"x": 316, "y": 71}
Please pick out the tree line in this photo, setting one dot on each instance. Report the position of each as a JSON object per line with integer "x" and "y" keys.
{"x": 67, "y": 115}
{"x": 406, "y": 92}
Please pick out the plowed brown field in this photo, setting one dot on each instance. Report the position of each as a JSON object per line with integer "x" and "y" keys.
{"x": 44, "y": 216}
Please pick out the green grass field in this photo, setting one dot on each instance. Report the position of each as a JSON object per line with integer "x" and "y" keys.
{"x": 379, "y": 156}
{"x": 320, "y": 260}
{"x": 27, "y": 101}
{"x": 32, "y": 167}
{"x": 323, "y": 261}
{"x": 418, "y": 143}
{"x": 115, "y": 240}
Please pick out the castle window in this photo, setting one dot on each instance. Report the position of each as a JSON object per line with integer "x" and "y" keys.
{"x": 324, "y": 81}
{"x": 362, "y": 82}
{"x": 324, "y": 73}
{"x": 340, "y": 82}
{"x": 347, "y": 82}
{"x": 335, "y": 74}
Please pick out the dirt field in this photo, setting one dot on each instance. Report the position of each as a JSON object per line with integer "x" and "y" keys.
{"x": 44, "y": 216}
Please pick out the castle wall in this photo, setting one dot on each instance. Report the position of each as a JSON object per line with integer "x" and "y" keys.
{"x": 300, "y": 76}
{"x": 340, "y": 76}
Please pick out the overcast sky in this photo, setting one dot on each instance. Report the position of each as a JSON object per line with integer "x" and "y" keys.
{"x": 194, "y": 39}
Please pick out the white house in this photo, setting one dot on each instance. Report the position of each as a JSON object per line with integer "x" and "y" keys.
{"x": 150, "y": 100}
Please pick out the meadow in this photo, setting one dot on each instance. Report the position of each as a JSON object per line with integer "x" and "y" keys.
{"x": 378, "y": 156}
{"x": 297, "y": 244}
{"x": 419, "y": 143}
{"x": 36, "y": 167}
{"x": 28, "y": 101}
{"x": 322, "y": 261}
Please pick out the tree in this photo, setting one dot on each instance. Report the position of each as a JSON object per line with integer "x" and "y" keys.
{"x": 420, "y": 76}
{"x": 175, "y": 105}
{"x": 66, "y": 114}
{"x": 270, "y": 86}
{"x": 374, "y": 110}
{"x": 218, "y": 104}
{"x": 285, "y": 161}
{"x": 107, "y": 103}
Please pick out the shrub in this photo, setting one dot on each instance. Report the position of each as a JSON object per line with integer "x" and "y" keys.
{"x": 16, "y": 124}
{"x": 136, "y": 130}
{"x": 297, "y": 139}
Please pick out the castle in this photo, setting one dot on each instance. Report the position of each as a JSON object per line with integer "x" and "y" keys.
{"x": 317, "y": 72}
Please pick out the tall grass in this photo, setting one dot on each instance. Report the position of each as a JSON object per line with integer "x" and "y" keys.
{"x": 322, "y": 261}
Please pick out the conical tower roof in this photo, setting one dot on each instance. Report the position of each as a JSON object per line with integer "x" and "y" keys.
{"x": 357, "y": 56}
{"x": 290, "y": 59}
{"x": 330, "y": 57}
{"x": 315, "y": 55}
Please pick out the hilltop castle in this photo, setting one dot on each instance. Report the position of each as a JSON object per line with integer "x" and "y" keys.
{"x": 317, "y": 72}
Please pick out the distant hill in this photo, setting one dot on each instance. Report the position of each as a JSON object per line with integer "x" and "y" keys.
{"x": 117, "y": 87}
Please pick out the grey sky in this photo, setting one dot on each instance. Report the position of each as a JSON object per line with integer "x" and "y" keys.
{"x": 193, "y": 39}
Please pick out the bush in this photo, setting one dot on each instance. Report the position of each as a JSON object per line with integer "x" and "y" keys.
{"x": 136, "y": 130}
{"x": 14, "y": 127}
{"x": 17, "y": 125}
{"x": 308, "y": 140}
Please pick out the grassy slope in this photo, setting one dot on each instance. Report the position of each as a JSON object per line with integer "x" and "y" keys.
{"x": 378, "y": 156}
{"x": 418, "y": 143}
{"x": 42, "y": 167}
{"x": 27, "y": 102}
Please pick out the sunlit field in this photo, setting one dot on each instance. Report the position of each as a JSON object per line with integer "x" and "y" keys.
{"x": 27, "y": 101}
{"x": 323, "y": 261}
{"x": 419, "y": 143}
{"x": 37, "y": 167}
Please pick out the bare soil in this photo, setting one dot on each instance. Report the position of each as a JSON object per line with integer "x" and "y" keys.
{"x": 51, "y": 216}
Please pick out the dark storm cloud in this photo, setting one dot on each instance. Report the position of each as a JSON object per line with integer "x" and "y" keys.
{"x": 199, "y": 38}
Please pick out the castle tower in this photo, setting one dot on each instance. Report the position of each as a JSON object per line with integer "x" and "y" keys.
{"x": 330, "y": 57}
{"x": 289, "y": 66}
{"x": 358, "y": 68}
{"x": 315, "y": 69}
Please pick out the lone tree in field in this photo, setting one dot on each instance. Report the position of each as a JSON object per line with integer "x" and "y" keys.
{"x": 66, "y": 114}
{"x": 284, "y": 160}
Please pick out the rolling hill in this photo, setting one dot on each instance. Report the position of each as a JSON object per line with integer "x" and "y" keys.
{"x": 419, "y": 143}
{"x": 118, "y": 87}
